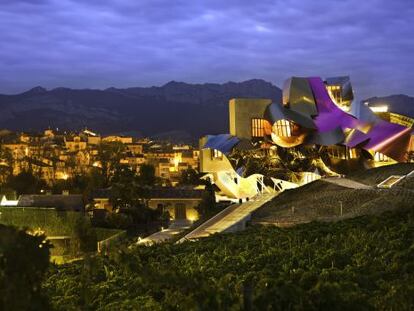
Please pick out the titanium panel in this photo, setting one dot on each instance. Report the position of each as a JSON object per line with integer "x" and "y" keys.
{"x": 333, "y": 137}
{"x": 276, "y": 112}
{"x": 222, "y": 142}
{"x": 329, "y": 115}
{"x": 346, "y": 87}
{"x": 298, "y": 96}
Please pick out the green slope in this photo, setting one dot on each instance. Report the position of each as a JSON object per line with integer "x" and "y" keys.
{"x": 376, "y": 175}
{"x": 363, "y": 263}
{"x": 322, "y": 201}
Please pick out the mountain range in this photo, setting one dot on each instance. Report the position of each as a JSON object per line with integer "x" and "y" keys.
{"x": 175, "y": 109}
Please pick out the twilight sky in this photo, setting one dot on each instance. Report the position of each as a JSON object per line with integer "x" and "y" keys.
{"x": 123, "y": 43}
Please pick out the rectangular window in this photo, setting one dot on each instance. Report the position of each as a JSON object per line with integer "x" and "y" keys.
{"x": 258, "y": 127}
{"x": 283, "y": 128}
{"x": 380, "y": 157}
{"x": 216, "y": 154}
{"x": 336, "y": 93}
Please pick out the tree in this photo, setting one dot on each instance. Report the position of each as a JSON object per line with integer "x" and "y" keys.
{"x": 147, "y": 175}
{"x": 95, "y": 180}
{"x": 128, "y": 194}
{"x": 84, "y": 235}
{"x": 6, "y": 164}
{"x": 25, "y": 183}
{"x": 189, "y": 177}
{"x": 208, "y": 201}
{"x": 24, "y": 260}
{"x": 109, "y": 156}
{"x": 125, "y": 189}
{"x": 76, "y": 184}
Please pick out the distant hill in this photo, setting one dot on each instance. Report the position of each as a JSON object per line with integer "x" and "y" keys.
{"x": 401, "y": 104}
{"x": 191, "y": 109}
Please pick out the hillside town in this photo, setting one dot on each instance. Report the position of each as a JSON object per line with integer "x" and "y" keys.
{"x": 55, "y": 155}
{"x": 85, "y": 172}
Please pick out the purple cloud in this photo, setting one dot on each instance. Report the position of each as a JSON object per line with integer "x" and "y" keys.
{"x": 102, "y": 43}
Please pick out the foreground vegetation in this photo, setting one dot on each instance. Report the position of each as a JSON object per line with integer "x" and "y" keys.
{"x": 359, "y": 264}
{"x": 23, "y": 261}
{"x": 80, "y": 235}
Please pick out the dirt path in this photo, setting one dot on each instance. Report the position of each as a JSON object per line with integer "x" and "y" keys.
{"x": 347, "y": 183}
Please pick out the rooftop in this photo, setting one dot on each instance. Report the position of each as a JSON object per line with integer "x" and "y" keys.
{"x": 73, "y": 202}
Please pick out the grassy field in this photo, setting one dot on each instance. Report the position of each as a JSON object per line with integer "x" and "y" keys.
{"x": 376, "y": 175}
{"x": 322, "y": 201}
{"x": 50, "y": 221}
{"x": 64, "y": 229}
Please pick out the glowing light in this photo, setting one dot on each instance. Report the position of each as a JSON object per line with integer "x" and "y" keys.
{"x": 37, "y": 231}
{"x": 380, "y": 157}
{"x": 177, "y": 159}
{"x": 283, "y": 128}
{"x": 86, "y": 131}
{"x": 192, "y": 218}
{"x": 383, "y": 108}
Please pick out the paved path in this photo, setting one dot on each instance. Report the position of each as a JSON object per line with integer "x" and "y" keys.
{"x": 200, "y": 231}
{"x": 229, "y": 219}
{"x": 347, "y": 183}
{"x": 164, "y": 235}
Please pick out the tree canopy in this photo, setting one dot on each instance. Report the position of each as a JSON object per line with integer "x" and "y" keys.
{"x": 109, "y": 155}
{"x": 23, "y": 261}
{"x": 147, "y": 175}
{"x": 25, "y": 183}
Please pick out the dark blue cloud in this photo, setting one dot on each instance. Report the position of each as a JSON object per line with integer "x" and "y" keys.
{"x": 101, "y": 43}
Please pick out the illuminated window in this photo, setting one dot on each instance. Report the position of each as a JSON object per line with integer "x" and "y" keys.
{"x": 401, "y": 120}
{"x": 380, "y": 157}
{"x": 341, "y": 152}
{"x": 334, "y": 153}
{"x": 352, "y": 153}
{"x": 216, "y": 154}
{"x": 283, "y": 128}
{"x": 258, "y": 127}
{"x": 335, "y": 92}
{"x": 379, "y": 109}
